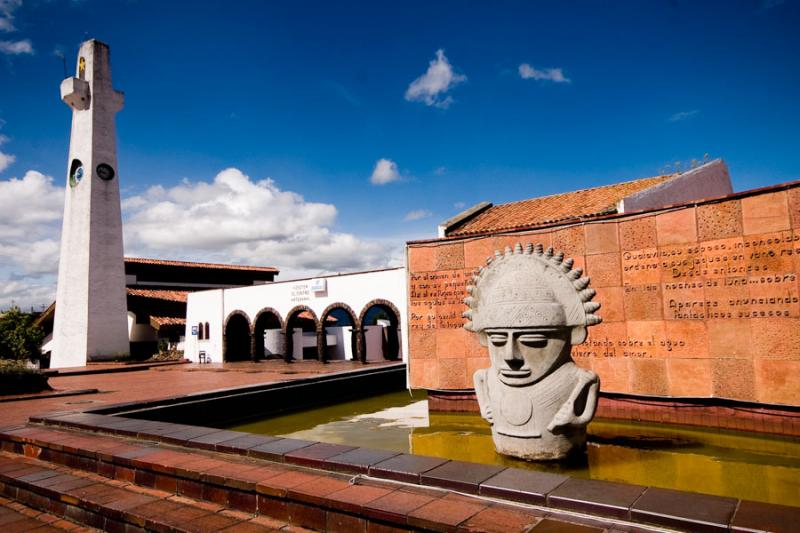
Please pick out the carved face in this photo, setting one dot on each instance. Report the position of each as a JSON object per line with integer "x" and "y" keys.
{"x": 522, "y": 356}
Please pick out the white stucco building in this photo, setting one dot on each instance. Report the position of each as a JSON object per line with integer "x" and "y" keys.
{"x": 360, "y": 315}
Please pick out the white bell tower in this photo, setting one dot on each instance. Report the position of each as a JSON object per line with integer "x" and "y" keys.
{"x": 91, "y": 320}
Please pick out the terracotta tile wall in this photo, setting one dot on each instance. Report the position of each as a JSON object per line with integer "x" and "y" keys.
{"x": 697, "y": 301}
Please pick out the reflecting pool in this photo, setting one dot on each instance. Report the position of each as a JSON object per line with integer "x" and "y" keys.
{"x": 726, "y": 463}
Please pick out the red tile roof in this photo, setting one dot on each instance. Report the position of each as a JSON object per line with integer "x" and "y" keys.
{"x": 556, "y": 208}
{"x": 161, "y": 321}
{"x": 190, "y": 264}
{"x": 305, "y": 315}
{"x": 172, "y": 296}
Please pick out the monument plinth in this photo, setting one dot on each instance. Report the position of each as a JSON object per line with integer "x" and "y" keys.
{"x": 529, "y": 307}
{"x": 91, "y": 308}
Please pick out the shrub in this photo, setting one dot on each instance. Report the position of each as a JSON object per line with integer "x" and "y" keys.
{"x": 19, "y": 338}
{"x": 163, "y": 346}
{"x": 13, "y": 367}
{"x": 17, "y": 378}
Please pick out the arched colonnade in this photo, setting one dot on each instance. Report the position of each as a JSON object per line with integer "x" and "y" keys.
{"x": 338, "y": 333}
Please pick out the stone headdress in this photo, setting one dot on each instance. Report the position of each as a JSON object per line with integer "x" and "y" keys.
{"x": 530, "y": 287}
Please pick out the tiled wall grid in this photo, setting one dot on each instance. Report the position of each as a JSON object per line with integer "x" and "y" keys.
{"x": 698, "y": 301}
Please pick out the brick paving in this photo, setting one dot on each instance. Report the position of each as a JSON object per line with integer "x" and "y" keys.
{"x": 163, "y": 382}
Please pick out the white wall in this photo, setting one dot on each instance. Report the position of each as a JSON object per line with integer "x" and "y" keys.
{"x": 47, "y": 343}
{"x": 272, "y": 342}
{"x": 355, "y": 290}
{"x": 338, "y": 346}
{"x": 374, "y": 342}
{"x": 140, "y": 332}
{"x": 204, "y": 306}
{"x": 302, "y": 339}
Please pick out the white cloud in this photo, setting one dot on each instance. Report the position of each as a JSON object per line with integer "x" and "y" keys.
{"x": 7, "y": 8}
{"x": 440, "y": 171}
{"x": 28, "y": 206}
{"x": 231, "y": 219}
{"x": 234, "y": 219}
{"x": 417, "y": 214}
{"x": 432, "y": 86}
{"x": 16, "y": 47}
{"x": 385, "y": 171}
{"x": 26, "y": 293}
{"x": 459, "y": 205}
{"x": 30, "y": 224}
{"x": 5, "y": 159}
{"x": 35, "y": 257}
{"x": 683, "y": 115}
{"x": 556, "y": 75}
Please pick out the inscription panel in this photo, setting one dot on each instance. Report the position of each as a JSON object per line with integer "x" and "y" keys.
{"x": 300, "y": 293}
{"x": 436, "y": 299}
{"x": 750, "y": 278}
{"x": 710, "y": 300}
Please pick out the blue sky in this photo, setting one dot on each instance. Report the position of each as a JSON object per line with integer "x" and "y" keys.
{"x": 525, "y": 99}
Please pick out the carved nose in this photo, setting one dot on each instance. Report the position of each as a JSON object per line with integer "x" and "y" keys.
{"x": 513, "y": 358}
{"x": 515, "y": 364}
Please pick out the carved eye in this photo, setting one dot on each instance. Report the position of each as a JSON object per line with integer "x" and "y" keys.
{"x": 534, "y": 341}
{"x": 498, "y": 339}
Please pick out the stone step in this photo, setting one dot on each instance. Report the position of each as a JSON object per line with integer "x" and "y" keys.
{"x": 553, "y": 494}
{"x": 110, "y": 505}
{"x": 15, "y": 516}
{"x": 300, "y": 483}
{"x": 287, "y": 493}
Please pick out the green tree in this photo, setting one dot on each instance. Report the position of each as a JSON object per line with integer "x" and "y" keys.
{"x": 19, "y": 337}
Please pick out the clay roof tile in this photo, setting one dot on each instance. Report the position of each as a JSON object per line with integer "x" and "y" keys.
{"x": 162, "y": 321}
{"x": 172, "y": 296}
{"x": 555, "y": 208}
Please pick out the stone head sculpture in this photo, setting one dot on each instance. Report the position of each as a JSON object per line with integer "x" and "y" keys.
{"x": 529, "y": 306}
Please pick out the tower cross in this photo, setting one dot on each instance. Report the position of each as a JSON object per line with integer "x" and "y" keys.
{"x": 91, "y": 320}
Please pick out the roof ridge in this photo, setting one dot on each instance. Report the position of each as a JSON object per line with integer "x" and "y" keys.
{"x": 138, "y": 289}
{"x": 159, "y": 294}
{"x": 199, "y": 264}
{"x": 576, "y": 191}
{"x": 562, "y": 206}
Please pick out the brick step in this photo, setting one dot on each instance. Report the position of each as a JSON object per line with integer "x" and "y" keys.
{"x": 291, "y": 494}
{"x": 111, "y": 505}
{"x": 14, "y": 516}
{"x": 554, "y": 494}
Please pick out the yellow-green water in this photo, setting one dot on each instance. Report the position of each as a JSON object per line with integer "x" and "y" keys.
{"x": 726, "y": 463}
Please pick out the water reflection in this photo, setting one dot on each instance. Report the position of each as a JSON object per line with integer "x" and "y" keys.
{"x": 725, "y": 463}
